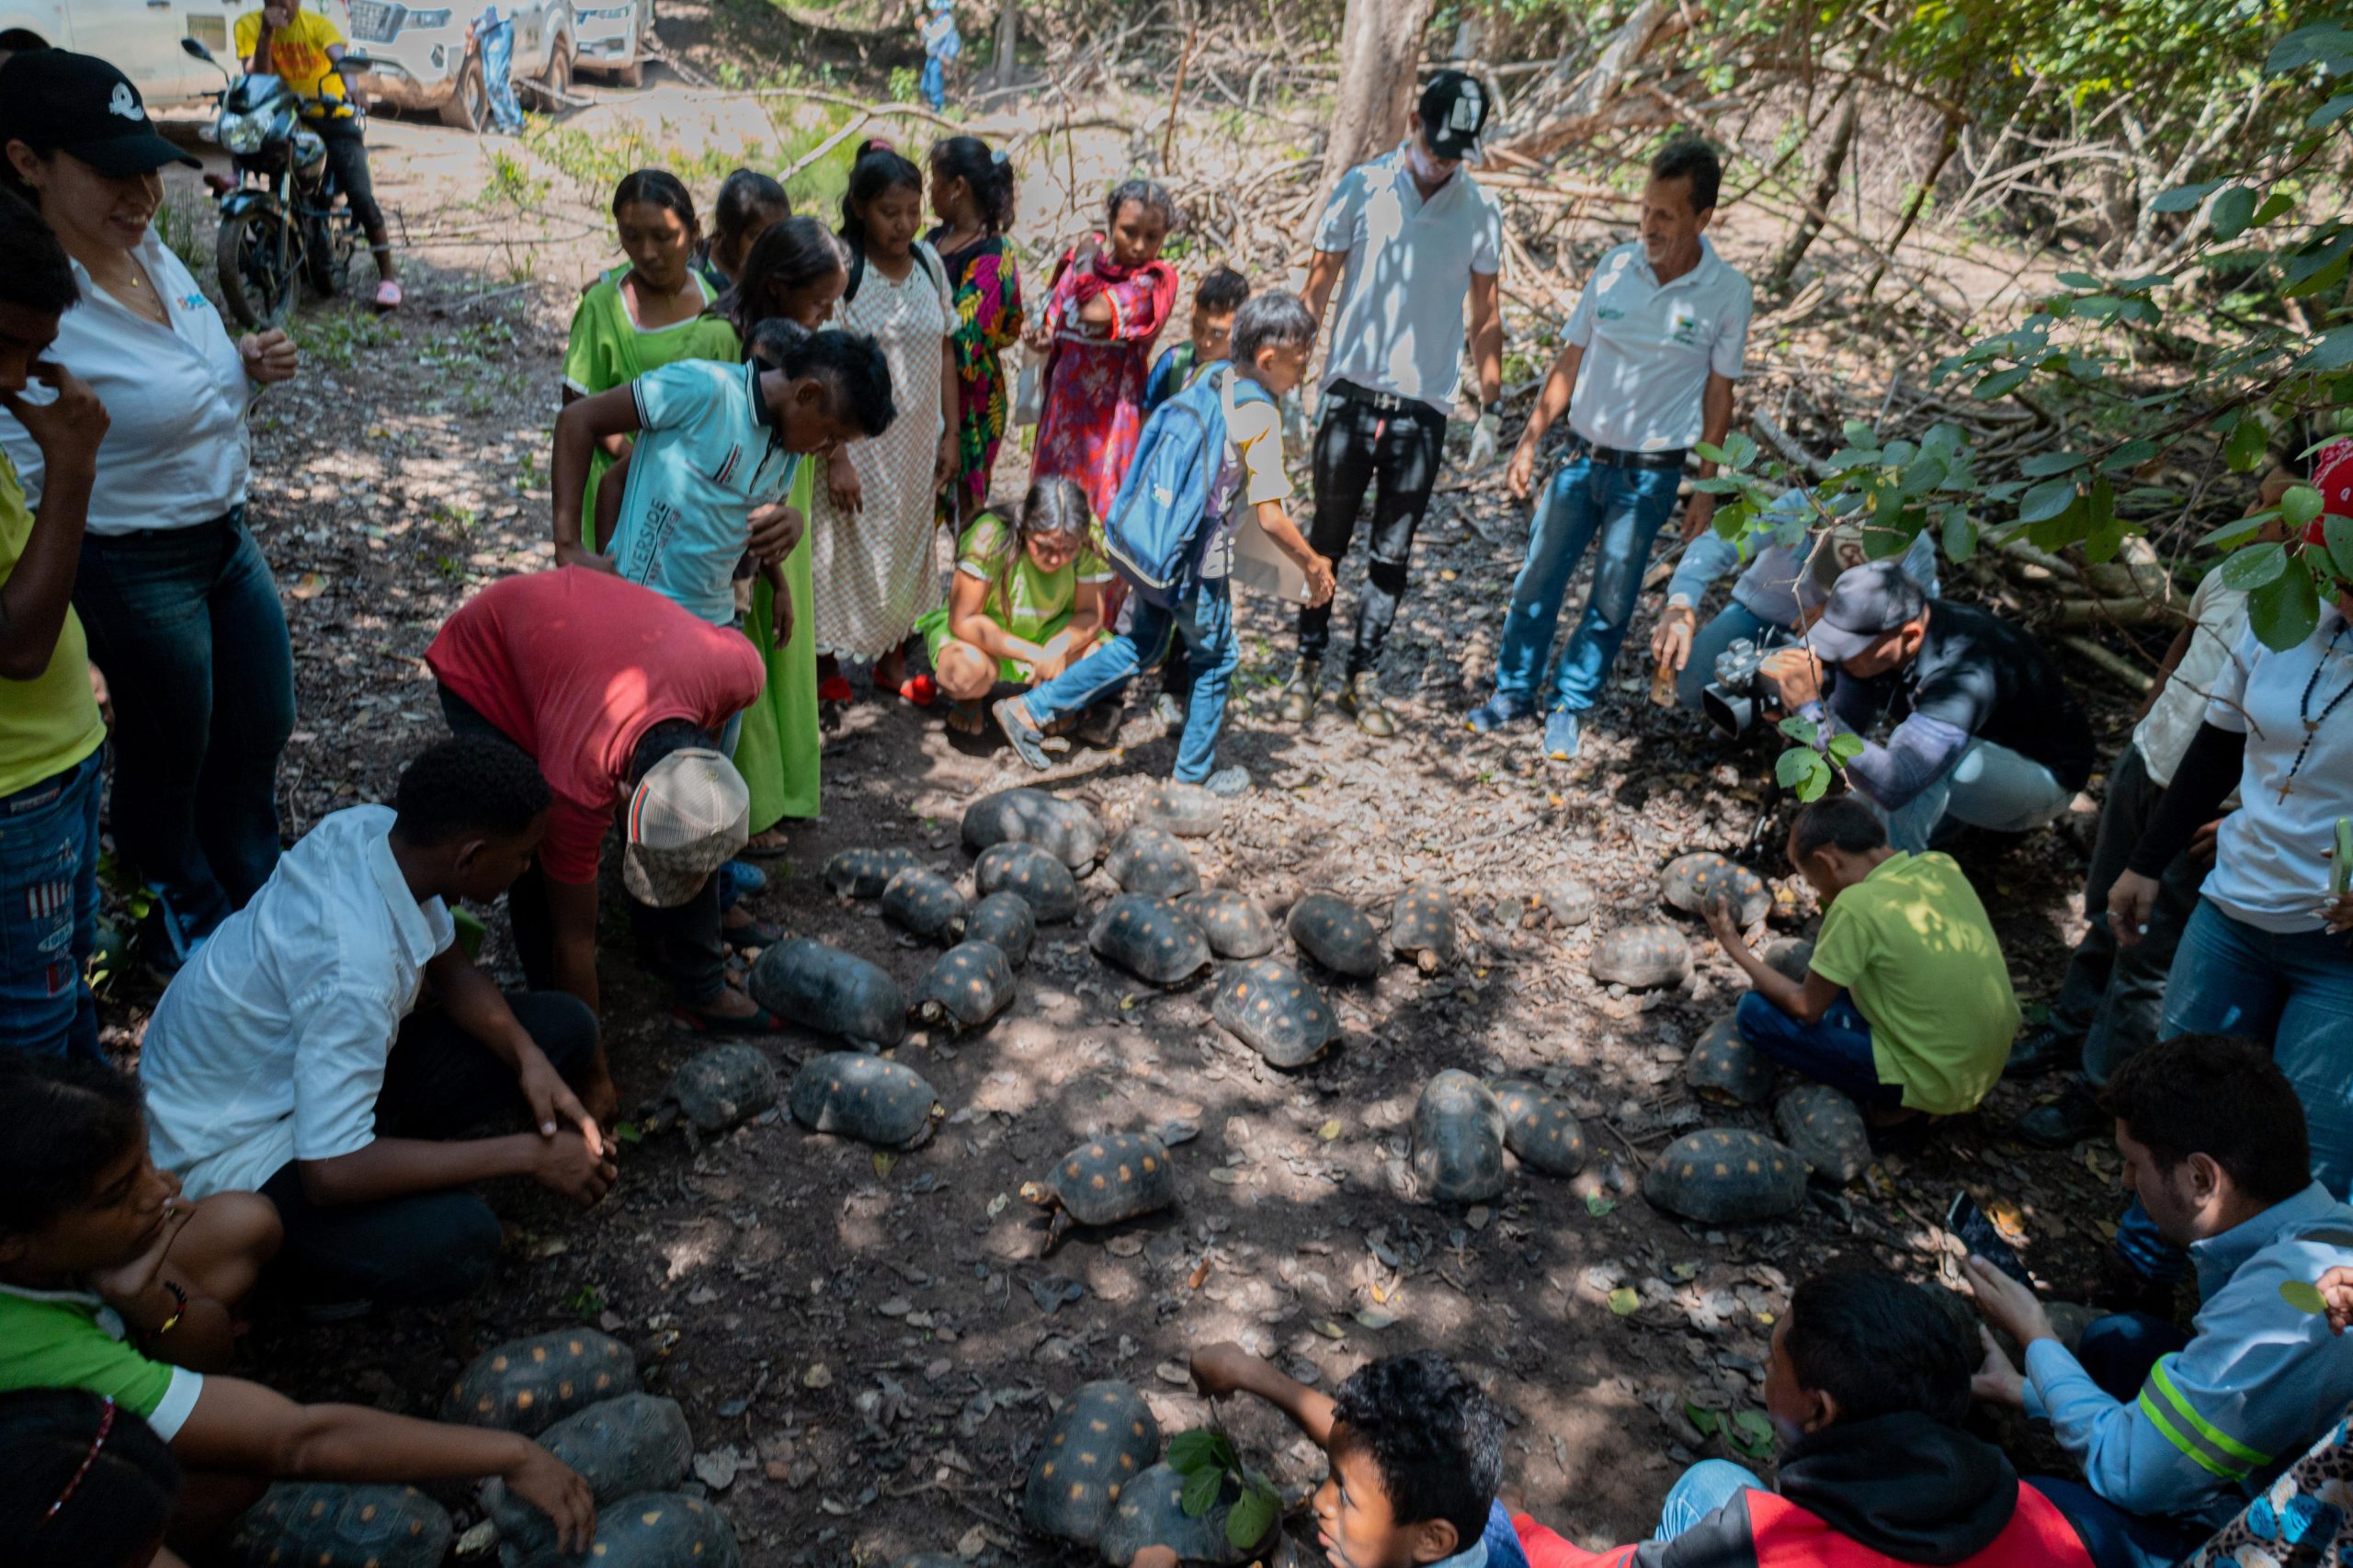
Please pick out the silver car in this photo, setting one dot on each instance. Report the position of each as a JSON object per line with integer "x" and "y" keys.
{"x": 616, "y": 36}
{"x": 425, "y": 56}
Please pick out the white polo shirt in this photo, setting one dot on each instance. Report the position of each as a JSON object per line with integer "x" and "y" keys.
{"x": 1650, "y": 347}
{"x": 1409, "y": 270}
{"x": 176, "y": 450}
{"x": 270, "y": 1045}
{"x": 2270, "y": 866}
{"x": 2219, "y": 616}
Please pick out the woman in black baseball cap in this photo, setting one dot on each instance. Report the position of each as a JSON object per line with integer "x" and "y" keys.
{"x": 177, "y": 603}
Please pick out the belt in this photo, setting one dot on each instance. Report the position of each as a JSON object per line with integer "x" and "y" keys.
{"x": 1610, "y": 457}
{"x": 1385, "y": 403}
{"x": 235, "y": 518}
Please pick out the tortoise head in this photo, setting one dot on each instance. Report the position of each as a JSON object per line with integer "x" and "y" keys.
{"x": 1044, "y": 1196}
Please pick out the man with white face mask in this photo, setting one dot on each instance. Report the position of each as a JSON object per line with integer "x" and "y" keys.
{"x": 1416, "y": 236}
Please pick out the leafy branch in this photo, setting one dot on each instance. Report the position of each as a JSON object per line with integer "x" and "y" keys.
{"x": 1212, "y": 1468}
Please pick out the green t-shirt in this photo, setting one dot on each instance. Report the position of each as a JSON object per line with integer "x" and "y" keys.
{"x": 50, "y": 722}
{"x": 1913, "y": 947}
{"x": 65, "y": 1339}
{"x": 1030, "y": 604}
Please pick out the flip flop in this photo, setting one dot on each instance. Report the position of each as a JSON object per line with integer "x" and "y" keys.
{"x": 969, "y": 717}
{"x": 755, "y": 850}
{"x": 696, "y": 1021}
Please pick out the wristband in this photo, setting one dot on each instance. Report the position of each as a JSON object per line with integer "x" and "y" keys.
{"x": 1494, "y": 407}
{"x": 179, "y": 1308}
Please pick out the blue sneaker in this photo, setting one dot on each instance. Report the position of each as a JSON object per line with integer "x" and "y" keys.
{"x": 1561, "y": 735}
{"x": 738, "y": 878}
{"x": 1499, "y": 711}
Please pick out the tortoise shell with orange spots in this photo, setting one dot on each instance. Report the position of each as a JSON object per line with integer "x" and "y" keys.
{"x": 1185, "y": 809}
{"x": 1458, "y": 1139}
{"x": 320, "y": 1524}
{"x": 1540, "y": 1128}
{"x": 862, "y": 1097}
{"x": 1235, "y": 926}
{"x": 1335, "y": 934}
{"x": 966, "y": 986}
{"x": 1271, "y": 1008}
{"x": 1096, "y": 1447}
{"x": 1726, "y": 1068}
{"x": 924, "y": 903}
{"x": 1724, "y": 1175}
{"x": 865, "y": 872}
{"x": 1150, "y": 860}
{"x": 528, "y": 1385}
{"x": 1152, "y": 1513}
{"x": 1639, "y": 957}
{"x": 1421, "y": 927}
{"x": 830, "y": 991}
{"x": 1065, "y": 829}
{"x": 1109, "y": 1179}
{"x": 1694, "y": 882}
{"x": 1043, "y": 882}
{"x": 1006, "y": 923}
{"x": 662, "y": 1529}
{"x": 636, "y": 1443}
{"x": 1150, "y": 939}
{"x": 1825, "y": 1130}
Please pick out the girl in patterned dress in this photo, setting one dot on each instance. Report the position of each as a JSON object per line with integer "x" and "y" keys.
{"x": 971, "y": 194}
{"x": 870, "y": 542}
{"x": 1111, "y": 296}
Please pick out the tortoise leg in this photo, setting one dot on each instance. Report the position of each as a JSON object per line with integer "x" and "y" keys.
{"x": 1056, "y": 1227}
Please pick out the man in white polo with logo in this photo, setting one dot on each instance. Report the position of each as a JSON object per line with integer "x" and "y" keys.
{"x": 1415, "y": 237}
{"x": 1651, "y": 355}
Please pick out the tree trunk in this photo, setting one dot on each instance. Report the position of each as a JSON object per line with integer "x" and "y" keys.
{"x": 1945, "y": 150}
{"x": 1825, "y": 191}
{"x": 1009, "y": 38}
{"x": 1584, "y": 113}
{"x": 1381, "y": 44}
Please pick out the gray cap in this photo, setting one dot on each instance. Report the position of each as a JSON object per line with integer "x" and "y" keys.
{"x": 1866, "y": 604}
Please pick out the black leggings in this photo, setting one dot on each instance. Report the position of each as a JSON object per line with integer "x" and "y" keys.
{"x": 347, "y": 155}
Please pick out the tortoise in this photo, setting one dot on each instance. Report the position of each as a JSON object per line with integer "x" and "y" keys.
{"x": 933, "y": 1560}
{"x": 1063, "y": 829}
{"x": 1044, "y": 882}
{"x": 1568, "y": 901}
{"x": 1335, "y": 934}
{"x": 966, "y": 986}
{"x": 721, "y": 1087}
{"x": 321, "y": 1522}
{"x": 924, "y": 903}
{"x": 864, "y": 872}
{"x": 866, "y": 1097}
{"x": 1726, "y": 1068}
{"x": 1792, "y": 956}
{"x": 635, "y": 1443}
{"x": 1006, "y": 923}
{"x": 528, "y": 1385}
{"x": 1722, "y": 1175}
{"x": 1150, "y": 940}
{"x": 1104, "y": 1181}
{"x": 1458, "y": 1139}
{"x": 1639, "y": 957}
{"x": 1421, "y": 927}
{"x": 1694, "y": 882}
{"x": 1540, "y": 1128}
{"x": 663, "y": 1529}
{"x": 1150, "y": 860}
{"x": 1101, "y": 1439}
{"x": 1185, "y": 809}
{"x": 832, "y": 992}
{"x": 1271, "y": 1008}
{"x": 1237, "y": 928}
{"x": 1825, "y": 1130}
{"x": 1150, "y": 1512}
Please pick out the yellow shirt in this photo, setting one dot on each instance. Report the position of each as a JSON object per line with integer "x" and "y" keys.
{"x": 50, "y": 722}
{"x": 298, "y": 51}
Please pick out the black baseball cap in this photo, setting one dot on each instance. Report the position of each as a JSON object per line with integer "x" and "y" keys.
{"x": 56, "y": 101}
{"x": 1454, "y": 110}
{"x": 1866, "y": 604}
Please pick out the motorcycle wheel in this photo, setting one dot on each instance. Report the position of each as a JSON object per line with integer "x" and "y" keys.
{"x": 254, "y": 253}
{"x": 327, "y": 255}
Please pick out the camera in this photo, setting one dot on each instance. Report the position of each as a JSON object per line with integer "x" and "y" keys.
{"x": 1741, "y": 692}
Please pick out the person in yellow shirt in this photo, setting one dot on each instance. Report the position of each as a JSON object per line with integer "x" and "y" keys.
{"x": 304, "y": 48}
{"x": 1906, "y": 1003}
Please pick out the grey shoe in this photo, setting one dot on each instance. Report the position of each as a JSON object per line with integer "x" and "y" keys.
{"x": 1360, "y": 700}
{"x": 1227, "y": 783}
{"x": 1302, "y": 692}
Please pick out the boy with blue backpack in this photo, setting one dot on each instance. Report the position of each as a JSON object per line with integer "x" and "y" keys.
{"x": 1205, "y": 455}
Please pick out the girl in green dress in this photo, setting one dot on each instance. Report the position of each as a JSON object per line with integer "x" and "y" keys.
{"x": 650, "y": 312}
{"x": 1027, "y": 604}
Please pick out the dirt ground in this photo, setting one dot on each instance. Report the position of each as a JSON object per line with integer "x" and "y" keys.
{"x": 868, "y": 1348}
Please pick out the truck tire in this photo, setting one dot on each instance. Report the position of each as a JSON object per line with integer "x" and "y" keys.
{"x": 469, "y": 107}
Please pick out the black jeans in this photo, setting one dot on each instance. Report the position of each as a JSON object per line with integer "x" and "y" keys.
{"x": 682, "y": 943}
{"x": 427, "y": 1247}
{"x": 348, "y": 156}
{"x": 1396, "y": 457}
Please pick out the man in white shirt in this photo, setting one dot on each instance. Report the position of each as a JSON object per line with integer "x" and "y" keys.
{"x": 1647, "y": 369}
{"x": 1416, "y": 236}
{"x": 288, "y": 1057}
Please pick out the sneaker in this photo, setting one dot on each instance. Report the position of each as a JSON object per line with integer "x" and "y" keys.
{"x": 1012, "y": 716}
{"x": 1303, "y": 691}
{"x": 1360, "y": 700}
{"x": 1561, "y": 737}
{"x": 2041, "y": 1049}
{"x": 388, "y": 295}
{"x": 738, "y": 878}
{"x": 1169, "y": 711}
{"x": 1227, "y": 783}
{"x": 2064, "y": 1123}
{"x": 1499, "y": 711}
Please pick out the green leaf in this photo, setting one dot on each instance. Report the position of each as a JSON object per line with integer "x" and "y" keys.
{"x": 1845, "y": 748}
{"x": 2253, "y": 567}
{"x": 1803, "y": 731}
{"x": 2326, "y": 44}
{"x": 1960, "y": 536}
{"x": 1625, "y": 1301}
{"x": 1704, "y": 1421}
{"x": 1708, "y": 452}
{"x": 2333, "y": 352}
{"x": 1252, "y": 1515}
{"x": 1596, "y": 1205}
{"x": 2046, "y": 500}
{"x": 2103, "y": 533}
{"x": 2245, "y": 445}
{"x": 1201, "y": 1488}
{"x": 2183, "y": 197}
{"x": 2303, "y": 1295}
{"x": 1739, "y": 450}
{"x": 2001, "y": 383}
{"x": 2330, "y": 113}
{"x": 2232, "y": 212}
{"x": 2237, "y": 531}
{"x": 1753, "y": 1432}
{"x": 2299, "y": 507}
{"x": 628, "y": 1132}
{"x": 1803, "y": 773}
{"x": 2284, "y": 610}
{"x": 2042, "y": 465}
{"x": 2057, "y": 533}
{"x": 2275, "y": 206}
{"x": 1189, "y": 1451}
{"x": 2337, "y": 534}
{"x": 2132, "y": 454}
{"x": 2077, "y": 280}
{"x": 1922, "y": 477}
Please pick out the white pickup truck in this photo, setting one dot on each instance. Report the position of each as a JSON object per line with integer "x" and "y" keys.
{"x": 141, "y": 38}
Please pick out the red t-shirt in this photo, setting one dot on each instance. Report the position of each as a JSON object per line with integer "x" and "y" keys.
{"x": 575, "y": 665}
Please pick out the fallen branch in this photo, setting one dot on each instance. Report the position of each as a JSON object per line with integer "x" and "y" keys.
{"x": 2125, "y": 673}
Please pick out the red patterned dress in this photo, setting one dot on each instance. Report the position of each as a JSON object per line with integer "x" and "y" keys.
{"x": 987, "y": 288}
{"x": 1094, "y": 403}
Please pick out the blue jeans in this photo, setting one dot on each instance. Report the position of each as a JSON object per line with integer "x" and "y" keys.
{"x": 1731, "y": 623}
{"x": 1503, "y": 1550}
{"x": 1205, "y": 621}
{"x": 1835, "y": 1049}
{"x": 2295, "y": 991}
{"x": 498, "y": 76}
{"x": 1699, "y": 1492}
{"x": 1625, "y": 506}
{"x": 935, "y": 82}
{"x": 1988, "y": 785}
{"x": 48, "y": 911}
{"x": 187, "y": 625}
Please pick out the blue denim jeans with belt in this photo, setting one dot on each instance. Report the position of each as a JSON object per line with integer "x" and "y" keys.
{"x": 48, "y": 911}
{"x": 1624, "y": 507}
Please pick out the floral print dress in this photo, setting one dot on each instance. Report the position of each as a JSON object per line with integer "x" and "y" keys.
{"x": 1094, "y": 403}
{"x": 987, "y": 288}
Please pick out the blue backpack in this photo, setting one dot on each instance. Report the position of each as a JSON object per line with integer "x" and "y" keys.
{"x": 1174, "y": 483}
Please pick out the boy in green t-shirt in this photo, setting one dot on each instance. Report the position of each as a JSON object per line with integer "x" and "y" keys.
{"x": 1027, "y": 600}
{"x": 1906, "y": 1005}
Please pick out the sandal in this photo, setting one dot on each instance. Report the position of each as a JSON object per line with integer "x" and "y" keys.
{"x": 766, "y": 845}
{"x": 1021, "y": 732}
{"x": 694, "y": 1021}
{"x": 920, "y": 689}
{"x": 969, "y": 717}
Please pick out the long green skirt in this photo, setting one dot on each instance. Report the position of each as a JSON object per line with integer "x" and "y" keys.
{"x": 777, "y": 751}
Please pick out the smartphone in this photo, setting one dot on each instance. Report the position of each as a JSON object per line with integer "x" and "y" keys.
{"x": 1979, "y": 1234}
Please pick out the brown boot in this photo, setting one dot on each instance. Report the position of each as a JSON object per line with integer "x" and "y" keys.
{"x": 1360, "y": 700}
{"x": 1302, "y": 692}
